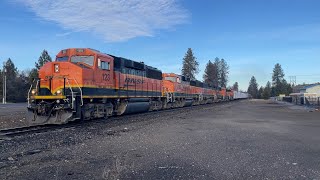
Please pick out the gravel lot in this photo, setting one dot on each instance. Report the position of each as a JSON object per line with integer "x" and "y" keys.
{"x": 251, "y": 139}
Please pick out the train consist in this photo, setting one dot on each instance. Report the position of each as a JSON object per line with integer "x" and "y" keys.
{"x": 83, "y": 84}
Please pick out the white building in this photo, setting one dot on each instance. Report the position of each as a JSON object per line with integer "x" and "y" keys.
{"x": 313, "y": 88}
{"x": 309, "y": 94}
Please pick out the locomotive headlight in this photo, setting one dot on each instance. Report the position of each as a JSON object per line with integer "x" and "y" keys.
{"x": 33, "y": 91}
{"x": 58, "y": 92}
{"x": 56, "y": 68}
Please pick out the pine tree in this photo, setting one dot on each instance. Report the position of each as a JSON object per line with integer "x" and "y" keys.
{"x": 207, "y": 76}
{"x": 11, "y": 70}
{"x": 278, "y": 79}
{"x": 11, "y": 76}
{"x": 33, "y": 74}
{"x": 22, "y": 83}
{"x": 43, "y": 59}
{"x": 217, "y": 63}
{"x": 190, "y": 65}
{"x": 253, "y": 87}
{"x": 211, "y": 74}
{"x": 260, "y": 92}
{"x": 17, "y": 83}
{"x": 273, "y": 91}
{"x": 283, "y": 87}
{"x": 235, "y": 86}
{"x": 224, "y": 71}
{"x": 267, "y": 91}
{"x": 289, "y": 89}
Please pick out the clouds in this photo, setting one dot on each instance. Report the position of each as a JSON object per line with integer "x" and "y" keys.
{"x": 113, "y": 20}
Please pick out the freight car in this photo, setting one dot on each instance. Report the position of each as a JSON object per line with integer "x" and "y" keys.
{"x": 240, "y": 95}
{"x": 83, "y": 84}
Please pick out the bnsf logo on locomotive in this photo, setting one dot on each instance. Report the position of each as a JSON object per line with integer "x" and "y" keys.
{"x": 134, "y": 81}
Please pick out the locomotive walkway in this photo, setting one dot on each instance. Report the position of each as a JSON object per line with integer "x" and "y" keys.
{"x": 250, "y": 139}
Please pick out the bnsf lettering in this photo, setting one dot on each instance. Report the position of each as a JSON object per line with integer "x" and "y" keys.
{"x": 134, "y": 81}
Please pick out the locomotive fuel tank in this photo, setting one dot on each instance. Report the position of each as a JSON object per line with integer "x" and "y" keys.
{"x": 134, "y": 105}
{"x": 188, "y": 102}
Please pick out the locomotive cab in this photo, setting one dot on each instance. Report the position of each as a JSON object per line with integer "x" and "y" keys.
{"x": 75, "y": 68}
{"x": 94, "y": 66}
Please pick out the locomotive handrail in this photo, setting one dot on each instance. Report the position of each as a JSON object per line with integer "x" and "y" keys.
{"x": 37, "y": 90}
{"x": 80, "y": 91}
{"x": 30, "y": 89}
{"x": 72, "y": 98}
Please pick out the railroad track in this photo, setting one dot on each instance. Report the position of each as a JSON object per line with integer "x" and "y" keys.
{"x": 49, "y": 127}
{"x": 28, "y": 129}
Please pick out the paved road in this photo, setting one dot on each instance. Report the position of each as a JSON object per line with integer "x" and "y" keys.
{"x": 13, "y": 105}
{"x": 239, "y": 140}
{"x": 12, "y": 115}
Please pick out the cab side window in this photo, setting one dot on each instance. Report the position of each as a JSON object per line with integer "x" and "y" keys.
{"x": 104, "y": 65}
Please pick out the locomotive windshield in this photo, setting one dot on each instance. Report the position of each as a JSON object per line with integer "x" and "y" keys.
{"x": 173, "y": 79}
{"x": 83, "y": 59}
{"x": 64, "y": 58}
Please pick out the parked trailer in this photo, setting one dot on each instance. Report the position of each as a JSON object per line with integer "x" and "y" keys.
{"x": 240, "y": 95}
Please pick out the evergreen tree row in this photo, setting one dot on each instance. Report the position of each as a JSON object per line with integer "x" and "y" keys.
{"x": 215, "y": 74}
{"x": 19, "y": 82}
{"x": 279, "y": 85}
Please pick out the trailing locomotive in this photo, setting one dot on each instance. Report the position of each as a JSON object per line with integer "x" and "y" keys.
{"x": 84, "y": 84}
{"x": 180, "y": 91}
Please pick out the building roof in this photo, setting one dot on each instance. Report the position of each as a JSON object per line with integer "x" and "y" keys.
{"x": 310, "y": 86}
{"x": 302, "y": 94}
{"x": 297, "y": 88}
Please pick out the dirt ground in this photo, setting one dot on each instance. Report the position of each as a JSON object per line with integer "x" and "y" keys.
{"x": 250, "y": 139}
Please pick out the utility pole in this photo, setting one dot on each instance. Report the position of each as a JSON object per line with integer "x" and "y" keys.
{"x": 293, "y": 80}
{"x": 4, "y": 98}
{"x": 5, "y": 85}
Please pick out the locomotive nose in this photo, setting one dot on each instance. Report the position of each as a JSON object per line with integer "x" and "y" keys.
{"x": 43, "y": 114}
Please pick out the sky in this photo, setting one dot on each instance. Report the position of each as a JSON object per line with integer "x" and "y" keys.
{"x": 251, "y": 35}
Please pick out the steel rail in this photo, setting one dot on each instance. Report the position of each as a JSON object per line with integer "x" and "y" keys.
{"x": 48, "y": 127}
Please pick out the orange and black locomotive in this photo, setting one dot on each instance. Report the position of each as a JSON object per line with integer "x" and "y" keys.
{"x": 84, "y": 84}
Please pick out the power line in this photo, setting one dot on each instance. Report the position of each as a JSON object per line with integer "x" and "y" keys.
{"x": 293, "y": 80}
{"x": 308, "y": 75}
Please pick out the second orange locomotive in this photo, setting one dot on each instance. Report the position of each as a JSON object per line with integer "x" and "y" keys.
{"x": 83, "y": 83}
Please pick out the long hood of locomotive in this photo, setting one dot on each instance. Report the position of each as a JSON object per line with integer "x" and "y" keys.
{"x": 95, "y": 83}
